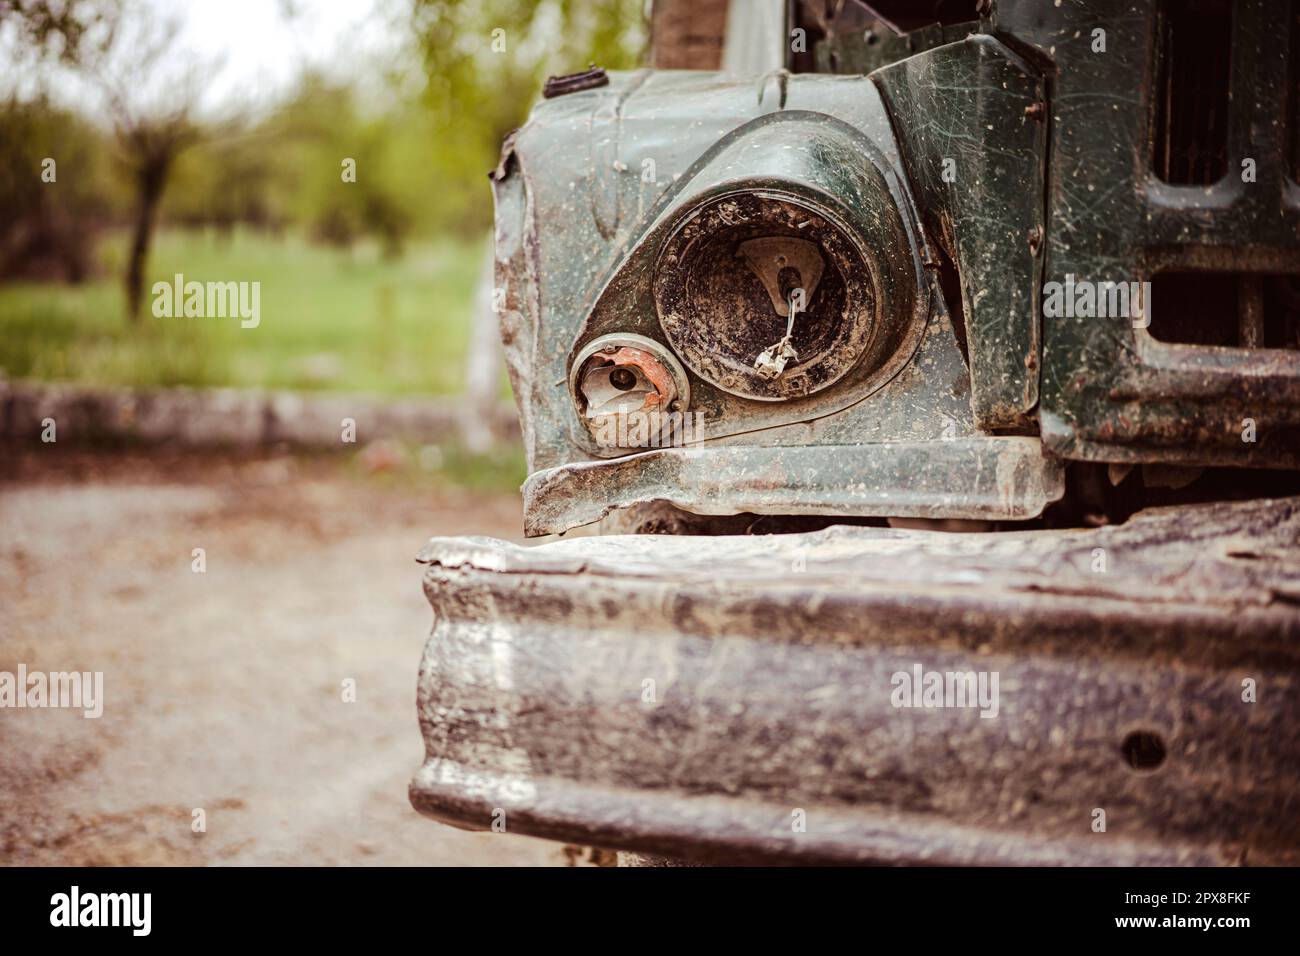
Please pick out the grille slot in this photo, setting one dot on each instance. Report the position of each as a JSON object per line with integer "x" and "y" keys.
{"x": 1191, "y": 124}
{"x": 1229, "y": 309}
{"x": 1293, "y": 91}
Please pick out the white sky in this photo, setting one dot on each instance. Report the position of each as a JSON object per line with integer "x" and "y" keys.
{"x": 267, "y": 43}
{"x": 260, "y": 47}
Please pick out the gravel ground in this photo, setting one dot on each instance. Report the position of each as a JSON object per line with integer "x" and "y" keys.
{"x": 223, "y": 690}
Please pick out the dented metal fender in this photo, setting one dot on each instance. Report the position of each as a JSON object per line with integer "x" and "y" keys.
{"x": 606, "y": 202}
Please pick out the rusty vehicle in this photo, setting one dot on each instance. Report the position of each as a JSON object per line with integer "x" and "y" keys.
{"x": 955, "y": 339}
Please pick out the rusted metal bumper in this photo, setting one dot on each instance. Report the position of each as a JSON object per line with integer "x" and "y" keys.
{"x": 982, "y": 478}
{"x": 750, "y": 699}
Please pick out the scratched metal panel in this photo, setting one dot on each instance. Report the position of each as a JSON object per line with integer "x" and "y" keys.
{"x": 1109, "y": 391}
{"x": 590, "y": 188}
{"x": 975, "y": 111}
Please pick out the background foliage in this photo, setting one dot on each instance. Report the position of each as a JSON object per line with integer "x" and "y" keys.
{"x": 258, "y": 195}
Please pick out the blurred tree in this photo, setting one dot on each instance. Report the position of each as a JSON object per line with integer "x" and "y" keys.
{"x": 56, "y": 191}
{"x": 47, "y": 222}
{"x": 151, "y": 105}
{"x": 287, "y": 168}
{"x": 343, "y": 182}
{"x": 420, "y": 149}
{"x": 485, "y": 61}
{"x": 222, "y": 182}
{"x": 58, "y": 29}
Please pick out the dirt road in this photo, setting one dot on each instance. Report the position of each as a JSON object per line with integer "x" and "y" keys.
{"x": 223, "y": 690}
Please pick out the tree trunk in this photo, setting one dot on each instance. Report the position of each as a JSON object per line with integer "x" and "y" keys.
{"x": 150, "y": 184}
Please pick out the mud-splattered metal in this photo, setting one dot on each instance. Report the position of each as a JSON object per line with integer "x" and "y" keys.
{"x": 701, "y": 694}
{"x": 686, "y": 695}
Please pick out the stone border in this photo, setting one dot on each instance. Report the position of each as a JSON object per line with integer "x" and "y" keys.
{"x": 225, "y": 417}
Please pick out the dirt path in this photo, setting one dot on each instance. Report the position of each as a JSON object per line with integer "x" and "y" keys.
{"x": 223, "y": 690}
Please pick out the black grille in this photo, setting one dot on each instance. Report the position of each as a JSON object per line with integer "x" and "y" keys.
{"x": 1191, "y": 128}
{"x": 1293, "y": 91}
{"x": 1232, "y": 309}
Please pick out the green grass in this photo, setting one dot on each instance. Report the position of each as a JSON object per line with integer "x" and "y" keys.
{"x": 330, "y": 320}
